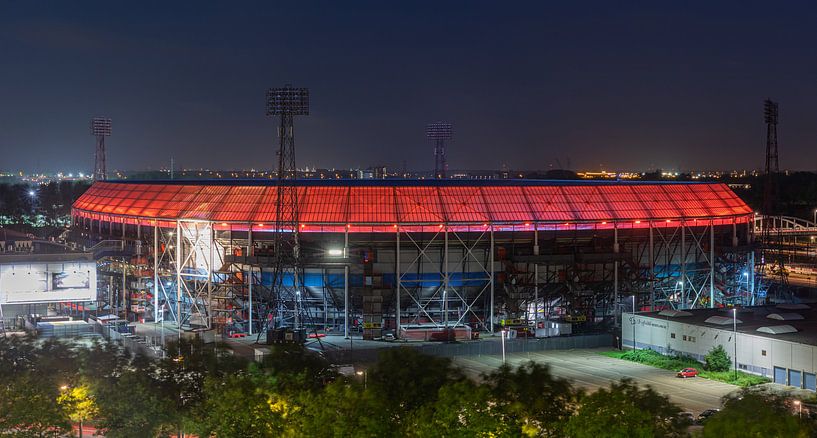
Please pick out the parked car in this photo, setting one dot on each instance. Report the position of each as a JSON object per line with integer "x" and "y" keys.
{"x": 706, "y": 414}
{"x": 687, "y": 417}
{"x": 687, "y": 372}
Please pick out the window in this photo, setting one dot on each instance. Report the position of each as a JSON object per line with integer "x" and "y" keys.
{"x": 672, "y": 335}
{"x": 692, "y": 339}
{"x": 762, "y": 352}
{"x": 685, "y": 337}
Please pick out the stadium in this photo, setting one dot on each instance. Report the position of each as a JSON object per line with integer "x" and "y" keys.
{"x": 416, "y": 258}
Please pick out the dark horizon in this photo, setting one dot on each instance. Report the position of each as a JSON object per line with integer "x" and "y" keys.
{"x": 598, "y": 85}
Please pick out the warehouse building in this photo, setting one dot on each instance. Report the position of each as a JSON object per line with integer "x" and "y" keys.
{"x": 779, "y": 342}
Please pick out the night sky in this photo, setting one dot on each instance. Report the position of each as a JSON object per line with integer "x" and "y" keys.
{"x": 525, "y": 84}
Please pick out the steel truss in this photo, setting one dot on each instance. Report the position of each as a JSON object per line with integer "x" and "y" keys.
{"x": 183, "y": 272}
{"x": 685, "y": 271}
{"x": 468, "y": 253}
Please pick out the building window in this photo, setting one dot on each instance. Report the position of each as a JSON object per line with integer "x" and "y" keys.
{"x": 685, "y": 337}
{"x": 692, "y": 339}
{"x": 762, "y": 352}
{"x": 672, "y": 335}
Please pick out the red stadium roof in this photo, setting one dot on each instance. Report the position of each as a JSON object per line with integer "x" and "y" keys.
{"x": 388, "y": 202}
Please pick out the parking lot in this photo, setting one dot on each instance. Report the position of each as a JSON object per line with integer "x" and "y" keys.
{"x": 589, "y": 370}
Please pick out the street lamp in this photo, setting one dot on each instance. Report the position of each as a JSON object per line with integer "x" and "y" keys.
{"x": 634, "y": 344}
{"x": 504, "y": 332}
{"x": 735, "y": 334}
{"x": 362, "y": 373}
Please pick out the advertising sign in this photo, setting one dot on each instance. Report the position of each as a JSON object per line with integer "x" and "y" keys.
{"x": 25, "y": 283}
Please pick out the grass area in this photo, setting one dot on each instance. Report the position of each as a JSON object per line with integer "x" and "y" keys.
{"x": 677, "y": 362}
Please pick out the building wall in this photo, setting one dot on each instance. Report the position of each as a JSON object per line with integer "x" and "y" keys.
{"x": 697, "y": 340}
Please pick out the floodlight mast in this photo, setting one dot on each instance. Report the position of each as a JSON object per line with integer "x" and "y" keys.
{"x": 772, "y": 247}
{"x": 284, "y": 304}
{"x": 439, "y": 133}
{"x": 100, "y": 128}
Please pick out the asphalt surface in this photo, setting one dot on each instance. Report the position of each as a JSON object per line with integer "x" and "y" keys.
{"x": 589, "y": 370}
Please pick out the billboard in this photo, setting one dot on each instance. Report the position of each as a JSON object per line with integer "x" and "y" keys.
{"x": 31, "y": 282}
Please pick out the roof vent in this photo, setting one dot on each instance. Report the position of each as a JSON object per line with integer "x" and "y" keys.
{"x": 722, "y": 320}
{"x": 785, "y": 316}
{"x": 793, "y": 306}
{"x": 777, "y": 329}
{"x": 672, "y": 313}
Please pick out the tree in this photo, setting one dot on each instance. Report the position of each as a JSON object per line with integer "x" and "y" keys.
{"x": 625, "y": 411}
{"x": 756, "y": 415}
{"x": 343, "y": 409}
{"x": 78, "y": 404}
{"x": 463, "y": 409}
{"x": 539, "y": 402}
{"x": 243, "y": 404}
{"x": 717, "y": 359}
{"x": 297, "y": 369}
{"x": 405, "y": 379}
{"x": 132, "y": 406}
{"x": 28, "y": 408}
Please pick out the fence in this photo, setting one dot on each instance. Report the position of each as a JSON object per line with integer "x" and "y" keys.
{"x": 130, "y": 342}
{"x": 482, "y": 347}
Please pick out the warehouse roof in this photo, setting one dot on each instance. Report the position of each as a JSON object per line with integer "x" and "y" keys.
{"x": 416, "y": 201}
{"x": 754, "y": 320}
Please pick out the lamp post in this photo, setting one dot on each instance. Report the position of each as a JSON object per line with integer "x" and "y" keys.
{"x": 503, "y": 331}
{"x": 799, "y": 408}
{"x": 362, "y": 373}
{"x": 634, "y": 343}
{"x": 735, "y": 334}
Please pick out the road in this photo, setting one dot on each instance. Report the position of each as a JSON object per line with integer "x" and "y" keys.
{"x": 590, "y": 370}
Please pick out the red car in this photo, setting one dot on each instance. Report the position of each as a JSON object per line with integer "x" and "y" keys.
{"x": 687, "y": 372}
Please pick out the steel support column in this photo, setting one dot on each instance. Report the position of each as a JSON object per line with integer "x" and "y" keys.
{"x": 617, "y": 313}
{"x": 178, "y": 263}
{"x": 445, "y": 280}
{"x": 397, "y": 316}
{"x": 346, "y": 285}
{"x": 491, "y": 276}
{"x": 651, "y": 277}
{"x": 684, "y": 301}
{"x": 156, "y": 273}
{"x": 249, "y": 286}
{"x": 711, "y": 264}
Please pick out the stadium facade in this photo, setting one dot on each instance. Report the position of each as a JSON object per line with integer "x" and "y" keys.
{"x": 409, "y": 255}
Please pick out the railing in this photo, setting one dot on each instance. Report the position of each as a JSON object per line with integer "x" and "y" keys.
{"x": 784, "y": 225}
{"x": 106, "y": 246}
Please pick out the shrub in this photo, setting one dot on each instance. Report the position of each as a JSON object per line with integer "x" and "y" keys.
{"x": 717, "y": 359}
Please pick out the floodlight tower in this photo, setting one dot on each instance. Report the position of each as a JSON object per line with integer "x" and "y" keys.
{"x": 284, "y": 304}
{"x": 770, "y": 192}
{"x": 439, "y": 133}
{"x": 772, "y": 245}
{"x": 100, "y": 128}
